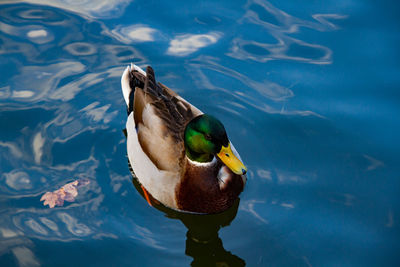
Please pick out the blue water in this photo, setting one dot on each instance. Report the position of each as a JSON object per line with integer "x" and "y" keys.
{"x": 308, "y": 92}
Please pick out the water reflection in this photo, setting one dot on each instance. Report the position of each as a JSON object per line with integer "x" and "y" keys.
{"x": 373, "y": 163}
{"x": 80, "y": 49}
{"x": 133, "y": 34}
{"x": 186, "y": 44}
{"x": 18, "y": 180}
{"x": 92, "y": 9}
{"x": 25, "y": 256}
{"x": 278, "y": 24}
{"x": 208, "y": 73}
{"x": 47, "y": 78}
{"x": 315, "y": 181}
{"x": 203, "y": 243}
{"x": 35, "y": 33}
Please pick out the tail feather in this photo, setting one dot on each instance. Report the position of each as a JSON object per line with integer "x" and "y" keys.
{"x": 126, "y": 89}
{"x": 150, "y": 85}
{"x": 132, "y": 77}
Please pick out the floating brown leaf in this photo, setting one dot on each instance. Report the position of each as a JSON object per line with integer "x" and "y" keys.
{"x": 68, "y": 192}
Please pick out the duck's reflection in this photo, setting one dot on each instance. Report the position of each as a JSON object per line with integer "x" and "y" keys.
{"x": 202, "y": 241}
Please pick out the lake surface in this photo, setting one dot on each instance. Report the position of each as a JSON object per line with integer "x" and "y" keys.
{"x": 308, "y": 93}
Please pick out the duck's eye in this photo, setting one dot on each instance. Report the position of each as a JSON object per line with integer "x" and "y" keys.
{"x": 226, "y": 154}
{"x": 207, "y": 136}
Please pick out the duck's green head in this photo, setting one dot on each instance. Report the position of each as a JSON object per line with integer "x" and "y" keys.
{"x": 205, "y": 137}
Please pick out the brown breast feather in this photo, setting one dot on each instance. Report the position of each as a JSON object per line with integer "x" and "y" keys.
{"x": 200, "y": 192}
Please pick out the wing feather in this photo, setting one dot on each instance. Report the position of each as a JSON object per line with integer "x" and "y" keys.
{"x": 160, "y": 117}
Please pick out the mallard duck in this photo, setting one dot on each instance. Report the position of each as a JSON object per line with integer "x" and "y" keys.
{"x": 181, "y": 156}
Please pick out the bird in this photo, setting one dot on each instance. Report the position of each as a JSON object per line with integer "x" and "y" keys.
{"x": 181, "y": 156}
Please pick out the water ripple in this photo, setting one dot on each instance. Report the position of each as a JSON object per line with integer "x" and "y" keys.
{"x": 25, "y": 256}
{"x": 19, "y": 14}
{"x": 46, "y": 80}
{"x": 35, "y": 33}
{"x": 284, "y": 47}
{"x": 63, "y": 112}
{"x": 259, "y": 95}
{"x": 80, "y": 49}
{"x": 90, "y": 9}
{"x": 137, "y": 33}
{"x": 75, "y": 228}
{"x": 266, "y": 88}
{"x": 18, "y": 180}
{"x": 36, "y": 227}
{"x": 183, "y": 45}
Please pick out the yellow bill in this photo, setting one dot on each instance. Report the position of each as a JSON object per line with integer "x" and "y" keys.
{"x": 231, "y": 161}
